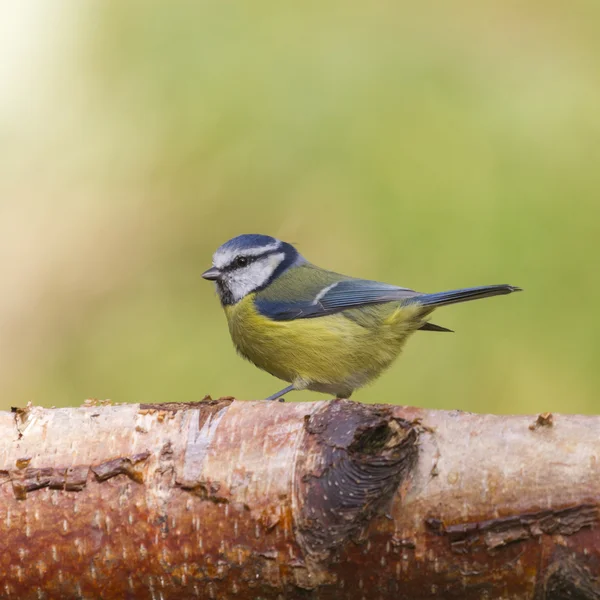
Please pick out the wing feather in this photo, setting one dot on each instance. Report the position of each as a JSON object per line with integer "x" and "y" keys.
{"x": 342, "y": 295}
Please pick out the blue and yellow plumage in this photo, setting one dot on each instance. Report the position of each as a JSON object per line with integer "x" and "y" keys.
{"x": 313, "y": 328}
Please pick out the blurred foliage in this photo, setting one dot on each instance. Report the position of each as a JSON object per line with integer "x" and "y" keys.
{"x": 429, "y": 145}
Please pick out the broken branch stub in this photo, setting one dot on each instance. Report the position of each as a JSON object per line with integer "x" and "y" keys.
{"x": 335, "y": 499}
{"x": 353, "y": 459}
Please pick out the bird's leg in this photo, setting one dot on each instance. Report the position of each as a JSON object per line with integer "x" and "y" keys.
{"x": 279, "y": 395}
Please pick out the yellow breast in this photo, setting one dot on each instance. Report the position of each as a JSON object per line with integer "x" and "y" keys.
{"x": 333, "y": 354}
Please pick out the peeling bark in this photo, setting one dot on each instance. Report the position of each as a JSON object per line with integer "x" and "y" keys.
{"x": 224, "y": 499}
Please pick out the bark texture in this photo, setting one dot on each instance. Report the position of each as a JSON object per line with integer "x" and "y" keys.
{"x": 329, "y": 500}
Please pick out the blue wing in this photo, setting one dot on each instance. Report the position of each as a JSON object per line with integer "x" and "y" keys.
{"x": 319, "y": 293}
{"x": 336, "y": 297}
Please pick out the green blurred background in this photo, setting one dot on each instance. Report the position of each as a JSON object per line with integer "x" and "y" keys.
{"x": 432, "y": 145}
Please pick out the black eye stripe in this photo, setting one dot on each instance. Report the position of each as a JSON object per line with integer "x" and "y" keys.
{"x": 233, "y": 265}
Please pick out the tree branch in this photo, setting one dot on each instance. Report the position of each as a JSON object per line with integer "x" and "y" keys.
{"x": 224, "y": 499}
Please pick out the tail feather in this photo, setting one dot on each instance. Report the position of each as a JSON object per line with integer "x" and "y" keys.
{"x": 464, "y": 295}
{"x": 434, "y": 327}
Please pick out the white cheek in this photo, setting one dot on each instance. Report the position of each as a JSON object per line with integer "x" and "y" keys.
{"x": 244, "y": 281}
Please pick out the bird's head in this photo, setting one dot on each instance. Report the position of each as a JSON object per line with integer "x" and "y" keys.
{"x": 248, "y": 263}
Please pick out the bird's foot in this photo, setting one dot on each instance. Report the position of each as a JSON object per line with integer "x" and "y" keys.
{"x": 280, "y": 395}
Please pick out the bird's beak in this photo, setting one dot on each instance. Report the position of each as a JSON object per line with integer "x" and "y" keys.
{"x": 212, "y": 274}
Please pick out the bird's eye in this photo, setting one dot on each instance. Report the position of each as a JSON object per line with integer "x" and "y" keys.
{"x": 241, "y": 261}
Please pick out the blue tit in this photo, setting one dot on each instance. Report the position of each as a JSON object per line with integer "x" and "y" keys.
{"x": 316, "y": 329}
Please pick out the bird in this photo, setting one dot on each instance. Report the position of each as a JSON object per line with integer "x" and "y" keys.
{"x": 317, "y": 329}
